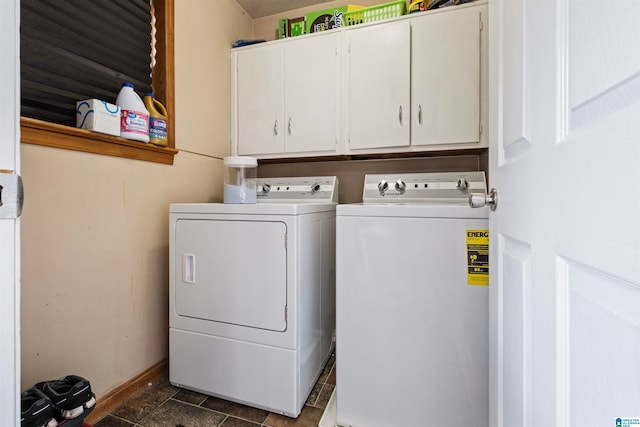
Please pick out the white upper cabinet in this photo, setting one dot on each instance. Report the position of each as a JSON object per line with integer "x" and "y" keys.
{"x": 445, "y": 77}
{"x": 417, "y": 83}
{"x": 377, "y": 86}
{"x": 259, "y": 112}
{"x": 312, "y": 95}
{"x": 287, "y": 98}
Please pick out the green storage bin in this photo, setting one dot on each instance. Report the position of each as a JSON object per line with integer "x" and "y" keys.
{"x": 327, "y": 19}
{"x": 380, "y": 12}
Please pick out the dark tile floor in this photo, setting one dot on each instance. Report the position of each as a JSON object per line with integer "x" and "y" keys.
{"x": 163, "y": 405}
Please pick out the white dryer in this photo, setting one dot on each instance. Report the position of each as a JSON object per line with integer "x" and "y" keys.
{"x": 412, "y": 304}
{"x": 252, "y": 293}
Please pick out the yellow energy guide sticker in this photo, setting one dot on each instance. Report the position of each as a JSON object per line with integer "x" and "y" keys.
{"x": 478, "y": 257}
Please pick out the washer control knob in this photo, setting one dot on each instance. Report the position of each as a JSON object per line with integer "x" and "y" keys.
{"x": 315, "y": 188}
{"x": 462, "y": 184}
{"x": 400, "y": 186}
{"x": 266, "y": 188}
{"x": 383, "y": 186}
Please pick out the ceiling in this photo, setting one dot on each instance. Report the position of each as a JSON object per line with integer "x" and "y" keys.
{"x": 260, "y": 8}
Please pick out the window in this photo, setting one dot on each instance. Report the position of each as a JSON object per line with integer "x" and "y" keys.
{"x": 41, "y": 132}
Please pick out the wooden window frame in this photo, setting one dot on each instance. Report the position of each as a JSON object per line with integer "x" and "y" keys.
{"x": 39, "y": 132}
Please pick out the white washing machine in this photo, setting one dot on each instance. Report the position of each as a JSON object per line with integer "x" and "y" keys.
{"x": 412, "y": 300}
{"x": 252, "y": 293}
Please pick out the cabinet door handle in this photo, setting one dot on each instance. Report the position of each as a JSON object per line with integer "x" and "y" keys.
{"x": 275, "y": 128}
{"x": 420, "y": 114}
{"x": 400, "y": 115}
{"x": 289, "y": 126}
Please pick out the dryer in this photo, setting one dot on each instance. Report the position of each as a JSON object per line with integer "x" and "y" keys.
{"x": 252, "y": 293}
{"x": 412, "y": 303}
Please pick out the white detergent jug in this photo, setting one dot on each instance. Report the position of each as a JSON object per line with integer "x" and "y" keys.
{"x": 134, "y": 119}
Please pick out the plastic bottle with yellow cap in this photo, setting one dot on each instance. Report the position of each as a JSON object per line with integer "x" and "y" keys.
{"x": 158, "y": 118}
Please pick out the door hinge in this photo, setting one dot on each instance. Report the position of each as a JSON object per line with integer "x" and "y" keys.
{"x": 480, "y": 128}
{"x": 286, "y": 313}
{"x": 11, "y": 195}
{"x": 481, "y": 23}
{"x": 285, "y": 241}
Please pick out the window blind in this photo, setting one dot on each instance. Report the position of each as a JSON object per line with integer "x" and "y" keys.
{"x": 71, "y": 50}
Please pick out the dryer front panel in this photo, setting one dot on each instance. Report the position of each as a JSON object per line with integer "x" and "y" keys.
{"x": 233, "y": 272}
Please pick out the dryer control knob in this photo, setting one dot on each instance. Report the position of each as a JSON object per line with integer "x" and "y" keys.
{"x": 462, "y": 184}
{"x": 315, "y": 188}
{"x": 383, "y": 186}
{"x": 400, "y": 186}
{"x": 266, "y": 188}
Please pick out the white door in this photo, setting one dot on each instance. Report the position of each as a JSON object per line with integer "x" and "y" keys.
{"x": 377, "y": 85}
{"x": 312, "y": 94}
{"x": 260, "y": 100}
{"x": 565, "y": 238}
{"x": 9, "y": 227}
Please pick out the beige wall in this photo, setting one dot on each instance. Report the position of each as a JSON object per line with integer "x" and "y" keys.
{"x": 95, "y": 228}
{"x": 267, "y": 26}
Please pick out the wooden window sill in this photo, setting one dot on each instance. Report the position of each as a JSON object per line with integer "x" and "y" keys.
{"x": 38, "y": 132}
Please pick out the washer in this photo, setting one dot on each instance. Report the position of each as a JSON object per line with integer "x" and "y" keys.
{"x": 252, "y": 293}
{"x": 412, "y": 303}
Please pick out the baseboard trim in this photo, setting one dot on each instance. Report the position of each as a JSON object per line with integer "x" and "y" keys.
{"x": 110, "y": 401}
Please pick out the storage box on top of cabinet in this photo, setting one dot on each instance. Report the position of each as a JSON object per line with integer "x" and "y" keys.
{"x": 328, "y": 19}
{"x": 375, "y": 13}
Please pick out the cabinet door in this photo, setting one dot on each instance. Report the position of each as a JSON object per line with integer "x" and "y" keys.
{"x": 445, "y": 77}
{"x": 312, "y": 94}
{"x": 377, "y": 85}
{"x": 260, "y": 100}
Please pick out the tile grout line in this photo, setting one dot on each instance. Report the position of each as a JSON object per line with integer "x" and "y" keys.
{"x": 156, "y": 407}
{"x": 226, "y": 415}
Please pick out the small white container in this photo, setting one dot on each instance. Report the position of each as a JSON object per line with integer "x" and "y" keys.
{"x": 98, "y": 116}
{"x": 240, "y": 179}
